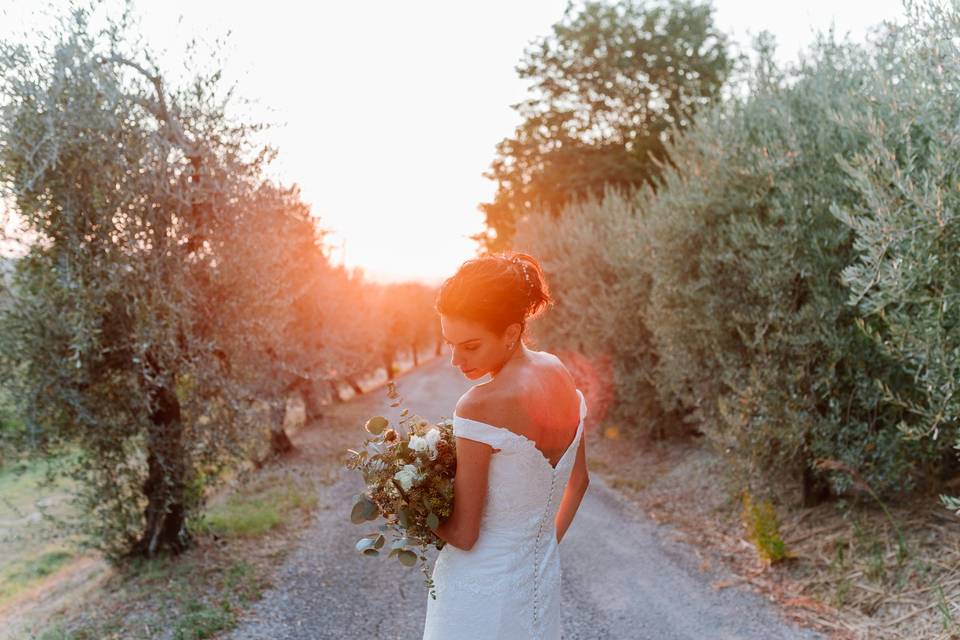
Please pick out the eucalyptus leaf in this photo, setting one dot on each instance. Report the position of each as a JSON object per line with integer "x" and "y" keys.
{"x": 364, "y": 543}
{"x": 357, "y": 514}
{"x": 407, "y": 558}
{"x": 376, "y": 425}
{"x": 370, "y": 511}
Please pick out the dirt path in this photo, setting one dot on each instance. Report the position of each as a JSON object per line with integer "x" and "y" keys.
{"x": 624, "y": 577}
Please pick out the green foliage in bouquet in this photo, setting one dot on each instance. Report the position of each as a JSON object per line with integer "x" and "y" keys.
{"x": 409, "y": 475}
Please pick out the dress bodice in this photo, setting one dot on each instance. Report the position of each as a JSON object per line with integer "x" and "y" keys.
{"x": 523, "y": 489}
{"x": 508, "y": 584}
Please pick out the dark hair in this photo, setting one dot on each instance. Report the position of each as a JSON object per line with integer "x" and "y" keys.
{"x": 496, "y": 291}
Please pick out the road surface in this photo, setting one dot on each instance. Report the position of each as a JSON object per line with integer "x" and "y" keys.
{"x": 624, "y": 577}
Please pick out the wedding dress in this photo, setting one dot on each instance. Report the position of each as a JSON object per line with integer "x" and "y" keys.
{"x": 507, "y": 587}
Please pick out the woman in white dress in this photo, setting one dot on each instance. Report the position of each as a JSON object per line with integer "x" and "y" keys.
{"x": 521, "y": 461}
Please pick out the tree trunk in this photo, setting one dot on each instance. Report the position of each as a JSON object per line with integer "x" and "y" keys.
{"x": 279, "y": 440}
{"x": 165, "y": 529}
{"x": 388, "y": 364}
{"x": 312, "y": 406}
{"x": 334, "y": 392}
{"x": 353, "y": 385}
{"x": 815, "y": 489}
{"x": 416, "y": 356}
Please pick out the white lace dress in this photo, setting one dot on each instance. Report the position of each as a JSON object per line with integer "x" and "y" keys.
{"x": 507, "y": 587}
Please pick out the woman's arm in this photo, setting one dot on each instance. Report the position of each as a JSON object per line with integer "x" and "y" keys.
{"x": 462, "y": 528}
{"x": 573, "y": 493}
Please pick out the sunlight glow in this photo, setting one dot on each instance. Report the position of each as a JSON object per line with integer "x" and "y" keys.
{"x": 388, "y": 113}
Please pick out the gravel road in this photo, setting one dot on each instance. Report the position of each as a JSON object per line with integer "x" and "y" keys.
{"x": 623, "y": 575}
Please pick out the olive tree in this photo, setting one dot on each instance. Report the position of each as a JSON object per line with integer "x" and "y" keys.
{"x": 906, "y": 278}
{"x": 132, "y": 308}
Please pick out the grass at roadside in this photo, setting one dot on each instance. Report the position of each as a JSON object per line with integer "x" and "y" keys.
{"x": 21, "y": 573}
{"x": 202, "y": 592}
{"x": 848, "y": 576}
{"x": 31, "y": 548}
{"x": 254, "y": 512}
{"x": 249, "y": 527}
{"x": 191, "y": 597}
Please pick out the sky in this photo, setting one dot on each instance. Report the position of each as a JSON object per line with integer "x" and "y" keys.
{"x": 387, "y": 114}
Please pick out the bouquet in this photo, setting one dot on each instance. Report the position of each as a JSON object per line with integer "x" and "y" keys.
{"x": 409, "y": 474}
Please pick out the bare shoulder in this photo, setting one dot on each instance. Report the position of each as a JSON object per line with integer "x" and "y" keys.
{"x": 478, "y": 402}
{"x": 556, "y": 364}
{"x": 507, "y": 401}
{"x": 467, "y": 402}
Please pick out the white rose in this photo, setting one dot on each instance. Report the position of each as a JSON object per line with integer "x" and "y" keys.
{"x": 418, "y": 443}
{"x": 407, "y": 477}
{"x": 432, "y": 438}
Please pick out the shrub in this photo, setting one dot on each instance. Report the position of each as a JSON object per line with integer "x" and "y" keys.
{"x": 792, "y": 281}
{"x": 746, "y": 308}
{"x": 763, "y": 529}
{"x": 591, "y": 257}
{"x": 906, "y": 278}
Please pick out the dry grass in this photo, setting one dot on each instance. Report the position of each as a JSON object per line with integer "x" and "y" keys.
{"x": 847, "y": 575}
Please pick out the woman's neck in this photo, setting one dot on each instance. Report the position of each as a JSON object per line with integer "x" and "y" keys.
{"x": 520, "y": 353}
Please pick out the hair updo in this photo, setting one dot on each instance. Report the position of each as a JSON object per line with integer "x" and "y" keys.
{"x": 495, "y": 291}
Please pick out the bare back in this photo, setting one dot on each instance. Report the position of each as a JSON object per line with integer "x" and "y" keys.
{"x": 537, "y": 400}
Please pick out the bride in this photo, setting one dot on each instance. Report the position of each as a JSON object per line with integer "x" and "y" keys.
{"x": 521, "y": 461}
